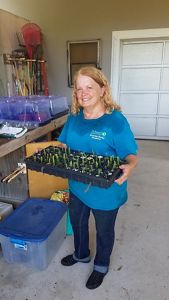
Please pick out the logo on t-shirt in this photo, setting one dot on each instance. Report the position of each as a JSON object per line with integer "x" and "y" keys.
{"x": 98, "y": 135}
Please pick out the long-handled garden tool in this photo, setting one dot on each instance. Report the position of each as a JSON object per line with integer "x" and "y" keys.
{"x": 32, "y": 37}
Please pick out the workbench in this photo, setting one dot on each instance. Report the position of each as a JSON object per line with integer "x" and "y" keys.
{"x": 12, "y": 152}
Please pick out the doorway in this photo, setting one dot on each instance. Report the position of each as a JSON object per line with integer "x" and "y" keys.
{"x": 140, "y": 80}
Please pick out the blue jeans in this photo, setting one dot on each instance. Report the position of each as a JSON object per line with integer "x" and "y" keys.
{"x": 105, "y": 223}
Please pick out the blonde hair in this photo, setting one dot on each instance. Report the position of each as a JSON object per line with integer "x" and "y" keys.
{"x": 102, "y": 81}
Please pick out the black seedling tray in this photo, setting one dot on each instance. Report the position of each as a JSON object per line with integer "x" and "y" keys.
{"x": 80, "y": 166}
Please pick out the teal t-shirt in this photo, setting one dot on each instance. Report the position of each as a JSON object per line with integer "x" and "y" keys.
{"x": 107, "y": 135}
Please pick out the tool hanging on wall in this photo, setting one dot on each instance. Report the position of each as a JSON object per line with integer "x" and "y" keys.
{"x": 20, "y": 75}
{"x": 26, "y": 75}
{"x": 28, "y": 64}
{"x": 21, "y": 169}
{"x": 32, "y": 37}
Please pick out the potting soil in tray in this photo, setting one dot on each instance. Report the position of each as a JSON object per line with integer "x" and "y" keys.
{"x": 80, "y": 166}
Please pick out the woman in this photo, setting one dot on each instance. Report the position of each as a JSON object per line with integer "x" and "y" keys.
{"x": 96, "y": 125}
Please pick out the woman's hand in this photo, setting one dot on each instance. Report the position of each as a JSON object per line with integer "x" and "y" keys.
{"x": 62, "y": 145}
{"x": 127, "y": 168}
{"x": 37, "y": 150}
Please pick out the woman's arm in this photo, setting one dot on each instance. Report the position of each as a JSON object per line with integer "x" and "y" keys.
{"x": 127, "y": 168}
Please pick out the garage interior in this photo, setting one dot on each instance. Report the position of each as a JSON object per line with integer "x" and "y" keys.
{"x": 140, "y": 260}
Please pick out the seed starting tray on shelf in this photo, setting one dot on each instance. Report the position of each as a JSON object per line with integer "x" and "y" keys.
{"x": 80, "y": 166}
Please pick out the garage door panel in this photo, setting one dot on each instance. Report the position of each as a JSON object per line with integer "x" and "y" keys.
{"x": 143, "y": 85}
{"x": 163, "y": 127}
{"x": 166, "y": 53}
{"x": 139, "y": 103}
{"x": 143, "y": 53}
{"x": 164, "y": 104}
{"x": 165, "y": 80}
{"x": 144, "y": 79}
{"x": 142, "y": 126}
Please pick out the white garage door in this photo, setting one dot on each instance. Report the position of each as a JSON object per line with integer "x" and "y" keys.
{"x": 143, "y": 86}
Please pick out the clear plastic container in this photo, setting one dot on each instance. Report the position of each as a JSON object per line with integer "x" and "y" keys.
{"x": 58, "y": 104}
{"x": 34, "y": 232}
{"x": 31, "y": 111}
{"x": 4, "y": 109}
{"x": 5, "y": 210}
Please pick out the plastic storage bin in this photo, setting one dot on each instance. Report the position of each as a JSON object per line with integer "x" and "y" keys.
{"x": 31, "y": 111}
{"x": 34, "y": 232}
{"x": 24, "y": 112}
{"x": 5, "y": 210}
{"x": 58, "y": 105}
{"x": 35, "y": 112}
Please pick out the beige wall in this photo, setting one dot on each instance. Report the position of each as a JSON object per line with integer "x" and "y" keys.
{"x": 63, "y": 20}
{"x": 10, "y": 24}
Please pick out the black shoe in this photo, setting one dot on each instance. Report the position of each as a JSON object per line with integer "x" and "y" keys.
{"x": 70, "y": 261}
{"x": 95, "y": 280}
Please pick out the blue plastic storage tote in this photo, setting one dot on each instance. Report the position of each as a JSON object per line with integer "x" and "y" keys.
{"x": 33, "y": 232}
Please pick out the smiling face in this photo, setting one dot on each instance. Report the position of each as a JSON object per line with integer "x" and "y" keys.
{"x": 88, "y": 92}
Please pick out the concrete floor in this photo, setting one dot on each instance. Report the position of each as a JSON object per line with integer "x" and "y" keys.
{"x": 140, "y": 261}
